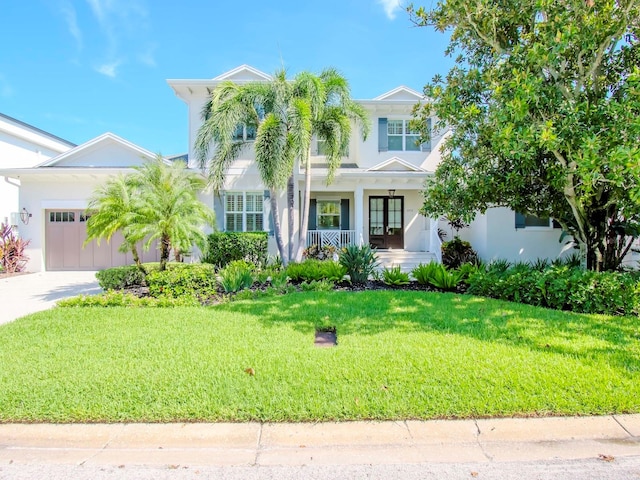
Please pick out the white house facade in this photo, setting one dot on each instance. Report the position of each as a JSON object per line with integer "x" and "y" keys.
{"x": 375, "y": 197}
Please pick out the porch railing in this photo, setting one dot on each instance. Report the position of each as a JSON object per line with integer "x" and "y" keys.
{"x": 337, "y": 238}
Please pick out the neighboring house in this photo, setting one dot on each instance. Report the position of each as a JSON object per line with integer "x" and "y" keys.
{"x": 375, "y": 197}
{"x": 21, "y": 146}
{"x": 56, "y": 194}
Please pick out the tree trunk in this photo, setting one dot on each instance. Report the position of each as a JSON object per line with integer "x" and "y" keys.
{"x": 277, "y": 227}
{"x": 136, "y": 258}
{"x": 304, "y": 218}
{"x": 290, "y": 219}
{"x": 165, "y": 248}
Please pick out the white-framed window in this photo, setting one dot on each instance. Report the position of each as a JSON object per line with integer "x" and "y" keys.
{"x": 328, "y": 214}
{"x": 401, "y": 136}
{"x": 62, "y": 217}
{"x": 244, "y": 212}
{"x": 244, "y": 133}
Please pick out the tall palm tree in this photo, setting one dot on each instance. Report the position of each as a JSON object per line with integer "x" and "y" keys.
{"x": 113, "y": 208}
{"x": 285, "y": 114}
{"x": 169, "y": 209}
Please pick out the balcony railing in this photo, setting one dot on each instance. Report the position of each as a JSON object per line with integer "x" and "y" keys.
{"x": 337, "y": 238}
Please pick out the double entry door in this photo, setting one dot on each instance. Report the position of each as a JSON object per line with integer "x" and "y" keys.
{"x": 386, "y": 222}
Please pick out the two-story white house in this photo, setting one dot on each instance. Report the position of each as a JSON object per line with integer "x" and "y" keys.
{"x": 375, "y": 197}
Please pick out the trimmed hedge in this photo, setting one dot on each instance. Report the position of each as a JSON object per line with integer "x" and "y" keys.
{"x": 183, "y": 279}
{"x": 118, "y": 278}
{"x": 562, "y": 288}
{"x": 225, "y": 247}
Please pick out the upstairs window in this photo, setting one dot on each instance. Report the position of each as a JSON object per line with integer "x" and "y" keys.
{"x": 397, "y": 135}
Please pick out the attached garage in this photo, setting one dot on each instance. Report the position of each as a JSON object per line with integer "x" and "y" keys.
{"x": 65, "y": 233}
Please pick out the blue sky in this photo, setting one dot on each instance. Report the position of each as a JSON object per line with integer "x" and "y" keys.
{"x": 79, "y": 68}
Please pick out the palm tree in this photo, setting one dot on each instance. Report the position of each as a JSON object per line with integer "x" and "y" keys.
{"x": 113, "y": 208}
{"x": 285, "y": 115}
{"x": 169, "y": 209}
{"x": 157, "y": 202}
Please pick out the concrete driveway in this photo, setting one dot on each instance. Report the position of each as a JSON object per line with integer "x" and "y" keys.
{"x": 24, "y": 294}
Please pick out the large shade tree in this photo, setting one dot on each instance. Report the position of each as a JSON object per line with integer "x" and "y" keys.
{"x": 159, "y": 201}
{"x": 284, "y": 114}
{"x": 544, "y": 107}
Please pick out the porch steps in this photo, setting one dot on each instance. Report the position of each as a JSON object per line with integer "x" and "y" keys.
{"x": 407, "y": 260}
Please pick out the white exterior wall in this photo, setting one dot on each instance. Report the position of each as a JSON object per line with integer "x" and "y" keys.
{"x": 41, "y": 192}
{"x": 523, "y": 244}
{"x": 21, "y": 147}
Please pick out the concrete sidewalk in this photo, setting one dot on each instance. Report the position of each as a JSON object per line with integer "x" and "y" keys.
{"x": 353, "y": 443}
{"x": 24, "y": 294}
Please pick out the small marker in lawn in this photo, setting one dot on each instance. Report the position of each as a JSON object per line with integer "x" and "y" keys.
{"x": 326, "y": 337}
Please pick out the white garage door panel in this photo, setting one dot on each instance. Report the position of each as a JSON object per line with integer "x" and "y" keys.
{"x": 65, "y": 233}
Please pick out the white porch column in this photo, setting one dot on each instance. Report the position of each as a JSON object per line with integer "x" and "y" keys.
{"x": 358, "y": 223}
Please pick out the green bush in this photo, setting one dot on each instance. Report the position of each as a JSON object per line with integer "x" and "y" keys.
{"x": 395, "y": 276}
{"x": 560, "y": 286}
{"x": 320, "y": 253}
{"x": 118, "y": 278}
{"x": 114, "y": 298}
{"x": 225, "y": 247}
{"x": 424, "y": 272}
{"x": 314, "y": 270}
{"x": 317, "y": 286}
{"x": 359, "y": 261}
{"x": 444, "y": 279}
{"x": 183, "y": 279}
{"x": 236, "y": 276}
{"x": 457, "y": 252}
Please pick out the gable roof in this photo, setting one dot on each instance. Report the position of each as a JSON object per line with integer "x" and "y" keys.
{"x": 400, "y": 93}
{"x": 395, "y": 164}
{"x": 96, "y": 143}
{"x": 243, "y": 73}
{"x": 19, "y": 128}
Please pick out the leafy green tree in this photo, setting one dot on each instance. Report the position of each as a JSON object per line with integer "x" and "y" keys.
{"x": 159, "y": 201}
{"x": 544, "y": 109}
{"x": 284, "y": 114}
{"x": 168, "y": 208}
{"x": 113, "y": 208}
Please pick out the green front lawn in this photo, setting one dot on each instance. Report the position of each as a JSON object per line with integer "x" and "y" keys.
{"x": 400, "y": 355}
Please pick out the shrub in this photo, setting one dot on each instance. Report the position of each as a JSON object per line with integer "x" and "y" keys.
{"x": 12, "y": 256}
{"x": 424, "y": 272}
{"x": 320, "y": 253}
{"x": 119, "y": 278}
{"x": 359, "y": 261}
{"x": 317, "y": 286}
{"x": 236, "y": 276}
{"x": 314, "y": 270}
{"x": 445, "y": 279}
{"x": 183, "y": 279}
{"x": 225, "y": 247}
{"x": 395, "y": 276}
{"x": 561, "y": 287}
{"x": 114, "y": 298}
{"x": 456, "y": 252}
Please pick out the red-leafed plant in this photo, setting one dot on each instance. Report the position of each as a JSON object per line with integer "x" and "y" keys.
{"x": 12, "y": 256}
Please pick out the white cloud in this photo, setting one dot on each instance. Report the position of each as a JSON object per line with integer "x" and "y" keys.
{"x": 109, "y": 69}
{"x": 147, "y": 56}
{"x": 390, "y": 7}
{"x": 69, "y": 14}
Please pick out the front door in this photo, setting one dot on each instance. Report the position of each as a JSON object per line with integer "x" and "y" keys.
{"x": 386, "y": 222}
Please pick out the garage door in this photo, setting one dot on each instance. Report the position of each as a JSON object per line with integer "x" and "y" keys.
{"x": 66, "y": 231}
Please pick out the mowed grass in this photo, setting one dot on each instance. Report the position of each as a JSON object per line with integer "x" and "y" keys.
{"x": 400, "y": 355}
